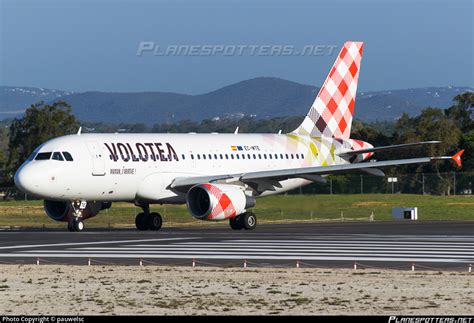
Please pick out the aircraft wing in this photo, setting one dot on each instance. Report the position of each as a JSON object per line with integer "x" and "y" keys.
{"x": 385, "y": 148}
{"x": 271, "y": 178}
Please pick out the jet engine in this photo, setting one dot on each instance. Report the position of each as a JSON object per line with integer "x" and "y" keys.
{"x": 62, "y": 211}
{"x": 217, "y": 201}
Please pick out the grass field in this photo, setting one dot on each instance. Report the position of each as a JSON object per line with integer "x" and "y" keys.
{"x": 274, "y": 208}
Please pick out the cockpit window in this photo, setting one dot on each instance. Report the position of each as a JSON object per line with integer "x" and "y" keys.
{"x": 67, "y": 156}
{"x": 43, "y": 156}
{"x": 32, "y": 156}
{"x": 57, "y": 156}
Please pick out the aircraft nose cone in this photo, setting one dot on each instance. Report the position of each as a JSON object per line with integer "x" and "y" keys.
{"x": 25, "y": 179}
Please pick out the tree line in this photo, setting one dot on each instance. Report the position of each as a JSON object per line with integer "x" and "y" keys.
{"x": 453, "y": 126}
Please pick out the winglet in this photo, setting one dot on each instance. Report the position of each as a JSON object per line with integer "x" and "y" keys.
{"x": 457, "y": 157}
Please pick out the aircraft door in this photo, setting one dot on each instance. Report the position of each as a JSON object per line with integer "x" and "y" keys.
{"x": 98, "y": 158}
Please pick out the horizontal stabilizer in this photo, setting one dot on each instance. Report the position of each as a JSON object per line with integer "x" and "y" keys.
{"x": 385, "y": 148}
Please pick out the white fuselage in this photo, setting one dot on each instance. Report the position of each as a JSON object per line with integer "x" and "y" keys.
{"x": 130, "y": 167}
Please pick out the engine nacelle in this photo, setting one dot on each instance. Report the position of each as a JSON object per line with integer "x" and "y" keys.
{"x": 216, "y": 202}
{"x": 62, "y": 211}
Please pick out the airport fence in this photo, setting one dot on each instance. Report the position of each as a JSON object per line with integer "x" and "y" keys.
{"x": 360, "y": 266}
{"x": 281, "y": 215}
{"x": 452, "y": 183}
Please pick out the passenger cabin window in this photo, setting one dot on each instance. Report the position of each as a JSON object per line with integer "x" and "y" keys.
{"x": 57, "y": 156}
{"x": 43, "y": 156}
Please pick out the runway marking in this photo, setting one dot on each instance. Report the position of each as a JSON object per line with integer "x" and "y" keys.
{"x": 262, "y": 252}
{"x": 469, "y": 242}
{"x": 88, "y": 243}
{"x": 468, "y": 251}
{"x": 450, "y": 249}
{"x": 335, "y": 243}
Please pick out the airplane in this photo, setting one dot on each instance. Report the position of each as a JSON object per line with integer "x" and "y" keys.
{"x": 218, "y": 176}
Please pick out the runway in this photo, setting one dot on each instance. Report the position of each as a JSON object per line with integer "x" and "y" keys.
{"x": 426, "y": 245}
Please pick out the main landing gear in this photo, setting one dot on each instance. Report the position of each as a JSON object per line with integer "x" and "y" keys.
{"x": 75, "y": 224}
{"x": 148, "y": 221}
{"x": 247, "y": 221}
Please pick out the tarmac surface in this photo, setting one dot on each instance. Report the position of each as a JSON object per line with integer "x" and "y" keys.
{"x": 442, "y": 245}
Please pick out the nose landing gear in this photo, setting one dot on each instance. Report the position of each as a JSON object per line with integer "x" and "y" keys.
{"x": 76, "y": 224}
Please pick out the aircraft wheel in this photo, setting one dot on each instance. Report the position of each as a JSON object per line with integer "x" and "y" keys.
{"x": 75, "y": 226}
{"x": 155, "y": 221}
{"x": 235, "y": 223}
{"x": 248, "y": 221}
{"x": 70, "y": 226}
{"x": 141, "y": 222}
{"x": 79, "y": 226}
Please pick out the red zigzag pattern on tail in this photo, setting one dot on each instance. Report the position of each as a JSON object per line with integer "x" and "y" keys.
{"x": 332, "y": 110}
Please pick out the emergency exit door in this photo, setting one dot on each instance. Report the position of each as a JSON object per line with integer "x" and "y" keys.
{"x": 97, "y": 156}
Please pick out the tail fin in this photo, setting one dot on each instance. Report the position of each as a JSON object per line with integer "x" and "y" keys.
{"x": 331, "y": 112}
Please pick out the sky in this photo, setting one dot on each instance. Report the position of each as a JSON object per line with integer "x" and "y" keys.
{"x": 84, "y": 45}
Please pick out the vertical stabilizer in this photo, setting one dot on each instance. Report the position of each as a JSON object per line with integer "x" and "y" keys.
{"x": 332, "y": 110}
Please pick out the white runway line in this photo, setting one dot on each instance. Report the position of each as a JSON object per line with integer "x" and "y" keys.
{"x": 172, "y": 254}
{"x": 88, "y": 243}
{"x": 325, "y": 244}
{"x": 171, "y": 249}
{"x": 306, "y": 242}
{"x": 361, "y": 249}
